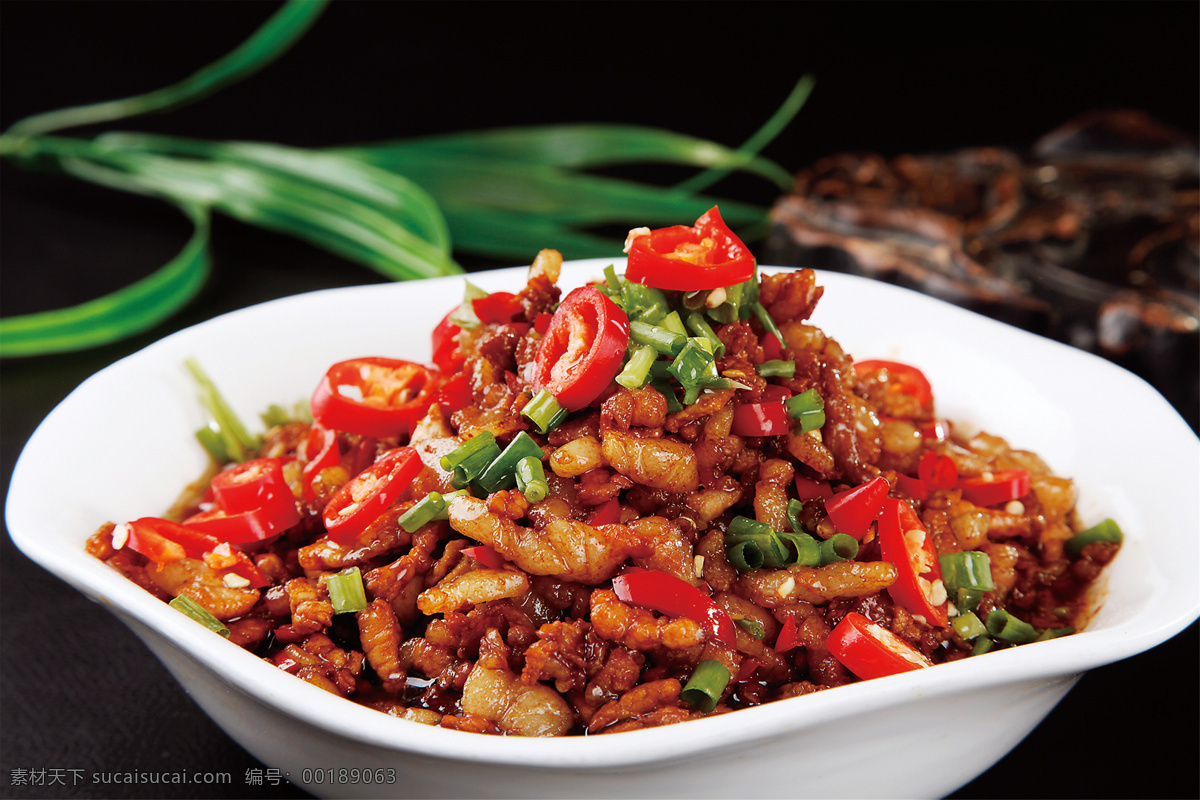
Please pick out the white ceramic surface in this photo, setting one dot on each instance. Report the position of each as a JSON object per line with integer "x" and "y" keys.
{"x": 129, "y": 429}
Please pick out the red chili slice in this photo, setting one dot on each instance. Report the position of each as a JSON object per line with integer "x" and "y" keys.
{"x": 226, "y": 560}
{"x": 768, "y": 418}
{"x": 807, "y": 488}
{"x": 497, "y": 307}
{"x": 937, "y": 471}
{"x": 852, "y": 511}
{"x": 321, "y": 452}
{"x": 772, "y": 347}
{"x": 486, "y": 556}
{"x": 163, "y": 541}
{"x": 446, "y": 353}
{"x": 997, "y": 487}
{"x": 899, "y": 378}
{"x": 370, "y": 493}
{"x": 913, "y": 487}
{"x": 257, "y": 486}
{"x": 789, "y": 635}
{"x": 904, "y": 542}
{"x": 872, "y": 651}
{"x": 664, "y": 592}
{"x": 582, "y": 350}
{"x": 705, "y": 256}
{"x": 379, "y": 397}
{"x": 607, "y": 513}
{"x": 455, "y": 394}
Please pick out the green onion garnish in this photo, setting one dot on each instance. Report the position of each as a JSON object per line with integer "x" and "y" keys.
{"x": 645, "y": 303}
{"x": 706, "y": 685}
{"x": 1004, "y": 626}
{"x": 968, "y": 626}
{"x": 760, "y": 311}
{"x": 531, "y": 479}
{"x": 666, "y": 390}
{"x": 189, "y": 607}
{"x": 346, "y": 592}
{"x": 967, "y": 599}
{"x": 776, "y": 369}
{"x": 794, "y": 507}
{"x": 424, "y": 511}
{"x": 807, "y": 408}
{"x": 752, "y": 627}
{"x": 1054, "y": 633}
{"x": 982, "y": 645}
{"x": 661, "y": 339}
{"x": 673, "y": 323}
{"x": 236, "y": 443}
{"x": 637, "y": 369}
{"x": 970, "y": 570}
{"x": 471, "y": 458}
{"x": 698, "y": 325}
{"x": 839, "y": 547}
{"x": 544, "y": 412}
{"x": 1106, "y": 531}
{"x": 613, "y": 282}
{"x": 464, "y": 316}
{"x": 501, "y": 472}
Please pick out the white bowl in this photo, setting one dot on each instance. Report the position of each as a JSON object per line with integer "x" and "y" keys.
{"x": 130, "y": 429}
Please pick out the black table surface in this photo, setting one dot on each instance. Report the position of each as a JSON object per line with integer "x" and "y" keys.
{"x": 81, "y": 695}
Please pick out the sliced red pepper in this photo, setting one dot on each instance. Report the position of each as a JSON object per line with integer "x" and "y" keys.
{"x": 582, "y": 350}
{"x": 455, "y": 394}
{"x": 486, "y": 556}
{"x": 321, "y": 452}
{"x": 370, "y": 493}
{"x": 899, "y": 378}
{"x": 379, "y": 397}
{"x": 225, "y": 559}
{"x": 807, "y": 488}
{"x": 768, "y": 418}
{"x": 542, "y": 323}
{"x": 446, "y": 353}
{"x": 772, "y": 347}
{"x": 747, "y": 669}
{"x": 607, "y": 513}
{"x": 853, "y": 510}
{"x": 705, "y": 256}
{"x": 497, "y": 307}
{"x": 937, "y": 471}
{"x": 249, "y": 527}
{"x": 913, "y": 487}
{"x": 872, "y": 651}
{"x": 904, "y": 542}
{"x": 163, "y": 541}
{"x": 664, "y": 592}
{"x": 789, "y": 635}
{"x": 257, "y": 487}
{"x": 996, "y": 487}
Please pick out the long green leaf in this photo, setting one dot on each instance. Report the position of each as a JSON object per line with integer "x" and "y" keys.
{"x": 120, "y": 314}
{"x": 266, "y": 44}
{"x": 580, "y": 146}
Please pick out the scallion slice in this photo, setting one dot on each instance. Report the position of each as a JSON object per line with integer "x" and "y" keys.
{"x": 752, "y": 627}
{"x": 645, "y": 303}
{"x": 346, "y": 592}
{"x": 1106, "y": 531}
{"x": 764, "y": 317}
{"x": 839, "y": 547}
{"x": 707, "y": 684}
{"x": 544, "y": 412}
{"x": 501, "y": 472}
{"x": 970, "y": 570}
{"x": 424, "y": 511}
{"x": 698, "y": 325}
{"x": 665, "y": 341}
{"x": 776, "y": 369}
{"x": 637, "y": 370}
{"x": 968, "y": 626}
{"x": 1004, "y": 626}
{"x": 189, "y": 607}
{"x": 807, "y": 408}
{"x": 471, "y": 458}
{"x": 531, "y": 479}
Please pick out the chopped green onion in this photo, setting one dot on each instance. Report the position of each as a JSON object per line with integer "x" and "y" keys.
{"x": 214, "y": 444}
{"x": 613, "y": 282}
{"x": 1106, "y": 531}
{"x": 752, "y": 627}
{"x": 693, "y": 366}
{"x": 807, "y": 408}
{"x": 661, "y": 339}
{"x": 806, "y": 549}
{"x": 730, "y": 309}
{"x": 471, "y": 458}
{"x": 673, "y": 323}
{"x": 444, "y": 514}
{"x": 764, "y": 317}
{"x": 645, "y": 303}
{"x": 1004, "y": 626}
{"x": 464, "y": 316}
{"x": 707, "y": 684}
{"x": 544, "y": 412}
{"x": 1054, "y": 633}
{"x": 191, "y": 608}
{"x": 839, "y": 547}
{"x": 699, "y": 325}
{"x": 236, "y": 440}
{"x": 794, "y": 507}
{"x": 967, "y": 599}
{"x": 667, "y": 391}
{"x": 968, "y": 626}
{"x": 346, "y": 591}
{"x": 531, "y": 479}
{"x": 637, "y": 369}
{"x": 970, "y": 570}
{"x": 982, "y": 645}
{"x": 776, "y": 369}
{"x": 501, "y": 472}
{"x": 423, "y": 512}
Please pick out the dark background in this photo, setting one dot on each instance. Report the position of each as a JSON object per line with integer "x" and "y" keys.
{"x": 80, "y": 692}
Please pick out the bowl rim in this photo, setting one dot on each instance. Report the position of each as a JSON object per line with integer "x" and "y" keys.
{"x": 32, "y": 529}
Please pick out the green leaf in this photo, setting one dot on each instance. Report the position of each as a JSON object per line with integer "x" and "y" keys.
{"x": 123, "y": 313}
{"x": 266, "y": 44}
